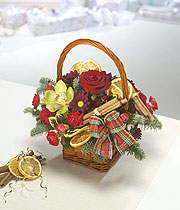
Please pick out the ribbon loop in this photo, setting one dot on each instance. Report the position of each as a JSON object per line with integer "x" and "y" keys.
{"x": 112, "y": 124}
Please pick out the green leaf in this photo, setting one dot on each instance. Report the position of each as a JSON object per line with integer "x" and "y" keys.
{"x": 53, "y": 122}
{"x": 60, "y": 119}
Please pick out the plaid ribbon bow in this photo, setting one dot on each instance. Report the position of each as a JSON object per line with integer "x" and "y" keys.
{"x": 101, "y": 129}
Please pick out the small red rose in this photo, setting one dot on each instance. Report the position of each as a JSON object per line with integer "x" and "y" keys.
{"x": 61, "y": 128}
{"x": 124, "y": 117}
{"x": 52, "y": 138}
{"x": 142, "y": 97}
{"x": 49, "y": 87}
{"x": 74, "y": 119}
{"x": 44, "y": 116}
{"x": 149, "y": 108}
{"x": 153, "y": 103}
{"x": 95, "y": 82}
{"x": 36, "y": 101}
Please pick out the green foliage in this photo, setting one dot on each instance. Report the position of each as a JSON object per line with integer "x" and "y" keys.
{"x": 53, "y": 122}
{"x": 78, "y": 89}
{"x": 60, "y": 119}
{"x": 40, "y": 129}
{"x": 137, "y": 118}
{"x": 75, "y": 82}
{"x": 99, "y": 158}
{"x": 76, "y": 86}
{"x": 67, "y": 143}
{"x": 43, "y": 83}
{"x": 135, "y": 150}
{"x": 88, "y": 147}
{"x": 34, "y": 113}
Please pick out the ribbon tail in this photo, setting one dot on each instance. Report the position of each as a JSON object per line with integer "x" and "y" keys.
{"x": 103, "y": 146}
{"x": 123, "y": 140}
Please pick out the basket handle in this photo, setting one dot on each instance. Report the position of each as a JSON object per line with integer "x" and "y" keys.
{"x": 105, "y": 49}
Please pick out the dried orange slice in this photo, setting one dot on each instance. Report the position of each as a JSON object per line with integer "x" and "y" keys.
{"x": 80, "y": 138}
{"x": 13, "y": 167}
{"x": 30, "y": 167}
{"x": 77, "y": 131}
{"x": 76, "y": 67}
{"x": 89, "y": 65}
{"x": 116, "y": 88}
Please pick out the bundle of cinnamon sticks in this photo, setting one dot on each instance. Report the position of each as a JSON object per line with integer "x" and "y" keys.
{"x": 5, "y": 174}
{"x": 104, "y": 109}
{"x": 116, "y": 103}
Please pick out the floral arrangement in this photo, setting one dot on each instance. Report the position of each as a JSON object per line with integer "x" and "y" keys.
{"x": 59, "y": 109}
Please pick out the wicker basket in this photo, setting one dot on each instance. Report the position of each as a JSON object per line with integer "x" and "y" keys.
{"x": 74, "y": 154}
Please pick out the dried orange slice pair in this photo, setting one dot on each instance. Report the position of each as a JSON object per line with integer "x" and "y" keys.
{"x": 25, "y": 167}
{"x": 116, "y": 88}
{"x": 85, "y": 66}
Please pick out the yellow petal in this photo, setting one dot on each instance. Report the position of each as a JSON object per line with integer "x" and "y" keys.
{"x": 52, "y": 107}
{"x": 62, "y": 110}
{"x": 70, "y": 95}
{"x": 50, "y": 96}
{"x": 60, "y": 87}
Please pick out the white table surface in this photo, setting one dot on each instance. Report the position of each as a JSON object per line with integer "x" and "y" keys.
{"x": 75, "y": 187}
{"x": 149, "y": 50}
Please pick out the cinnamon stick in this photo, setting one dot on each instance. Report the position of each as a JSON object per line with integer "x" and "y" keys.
{"x": 7, "y": 177}
{"x": 4, "y": 169}
{"x": 141, "y": 108}
{"x": 100, "y": 108}
{"x": 116, "y": 104}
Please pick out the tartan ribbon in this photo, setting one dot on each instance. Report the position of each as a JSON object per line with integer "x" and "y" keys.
{"x": 101, "y": 129}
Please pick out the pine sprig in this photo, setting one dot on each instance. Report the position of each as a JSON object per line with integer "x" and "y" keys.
{"x": 40, "y": 129}
{"x": 75, "y": 82}
{"x": 43, "y": 83}
{"x": 137, "y": 118}
{"x": 88, "y": 147}
{"x": 99, "y": 158}
{"x": 34, "y": 113}
{"x": 67, "y": 143}
{"x": 137, "y": 151}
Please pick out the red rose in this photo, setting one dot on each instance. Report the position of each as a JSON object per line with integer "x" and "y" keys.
{"x": 52, "y": 138}
{"x": 124, "y": 117}
{"x": 153, "y": 103}
{"x": 95, "y": 82}
{"x": 44, "y": 116}
{"x": 61, "y": 128}
{"x": 74, "y": 119}
{"x": 36, "y": 101}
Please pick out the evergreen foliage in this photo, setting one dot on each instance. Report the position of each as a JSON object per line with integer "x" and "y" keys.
{"x": 136, "y": 150}
{"x": 137, "y": 118}
{"x": 40, "y": 129}
{"x": 99, "y": 158}
{"x": 88, "y": 147}
{"x": 43, "y": 83}
{"x": 67, "y": 143}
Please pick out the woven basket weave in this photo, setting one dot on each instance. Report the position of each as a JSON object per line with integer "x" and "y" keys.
{"x": 74, "y": 154}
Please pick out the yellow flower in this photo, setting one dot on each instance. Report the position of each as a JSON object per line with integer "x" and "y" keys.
{"x": 59, "y": 99}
